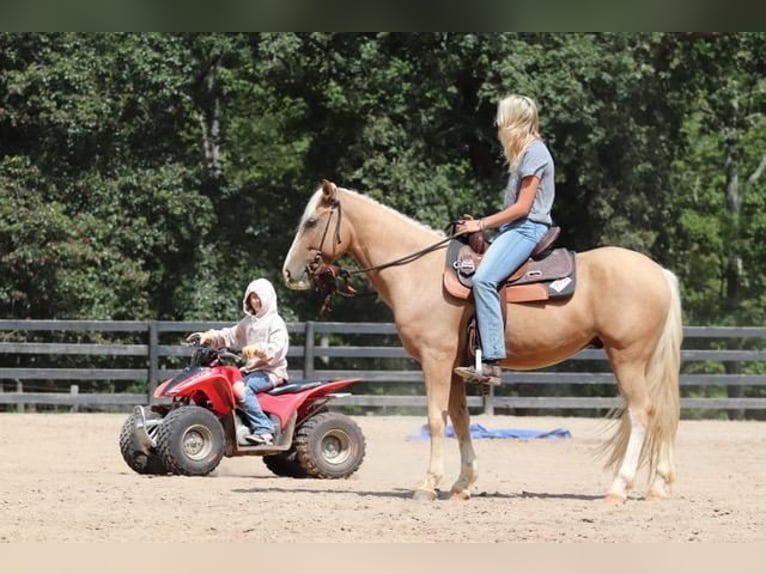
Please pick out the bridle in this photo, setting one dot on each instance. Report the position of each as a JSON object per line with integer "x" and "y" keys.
{"x": 327, "y": 279}
{"x": 325, "y": 276}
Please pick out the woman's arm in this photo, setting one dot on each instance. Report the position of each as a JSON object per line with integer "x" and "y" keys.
{"x": 520, "y": 209}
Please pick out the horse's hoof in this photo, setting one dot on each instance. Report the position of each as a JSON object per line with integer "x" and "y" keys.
{"x": 614, "y": 499}
{"x": 426, "y": 495}
{"x": 456, "y": 494}
{"x": 657, "y": 493}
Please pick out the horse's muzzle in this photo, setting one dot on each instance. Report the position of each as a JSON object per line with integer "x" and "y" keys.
{"x": 299, "y": 283}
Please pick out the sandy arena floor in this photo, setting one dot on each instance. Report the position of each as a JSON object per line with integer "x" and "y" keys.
{"x": 62, "y": 479}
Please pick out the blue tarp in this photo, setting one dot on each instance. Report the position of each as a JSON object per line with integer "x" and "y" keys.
{"x": 478, "y": 431}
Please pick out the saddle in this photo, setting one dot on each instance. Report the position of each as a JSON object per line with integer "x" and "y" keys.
{"x": 549, "y": 273}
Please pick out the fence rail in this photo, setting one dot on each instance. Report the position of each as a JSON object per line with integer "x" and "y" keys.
{"x": 331, "y": 350}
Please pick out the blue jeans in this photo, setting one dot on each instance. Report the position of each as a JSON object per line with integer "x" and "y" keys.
{"x": 510, "y": 248}
{"x": 256, "y": 419}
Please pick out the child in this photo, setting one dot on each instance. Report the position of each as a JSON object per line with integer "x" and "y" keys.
{"x": 262, "y": 336}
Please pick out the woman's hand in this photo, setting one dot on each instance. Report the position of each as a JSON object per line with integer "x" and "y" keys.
{"x": 469, "y": 225}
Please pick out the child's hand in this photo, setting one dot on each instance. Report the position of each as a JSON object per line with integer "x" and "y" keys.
{"x": 253, "y": 351}
{"x": 200, "y": 338}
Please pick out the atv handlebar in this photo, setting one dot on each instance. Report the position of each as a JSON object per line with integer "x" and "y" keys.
{"x": 202, "y": 353}
{"x": 230, "y": 353}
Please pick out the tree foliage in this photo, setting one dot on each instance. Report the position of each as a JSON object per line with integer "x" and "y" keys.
{"x": 154, "y": 175}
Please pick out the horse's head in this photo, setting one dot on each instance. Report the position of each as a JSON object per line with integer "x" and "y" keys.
{"x": 320, "y": 238}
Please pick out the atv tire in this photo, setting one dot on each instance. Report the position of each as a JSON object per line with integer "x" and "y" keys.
{"x": 329, "y": 445}
{"x": 132, "y": 453}
{"x": 285, "y": 464}
{"x": 191, "y": 441}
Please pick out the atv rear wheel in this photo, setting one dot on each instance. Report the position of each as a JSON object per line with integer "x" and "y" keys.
{"x": 329, "y": 445}
{"x": 130, "y": 448}
{"x": 191, "y": 441}
{"x": 285, "y": 464}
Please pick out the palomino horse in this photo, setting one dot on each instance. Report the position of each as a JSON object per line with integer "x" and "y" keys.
{"x": 623, "y": 299}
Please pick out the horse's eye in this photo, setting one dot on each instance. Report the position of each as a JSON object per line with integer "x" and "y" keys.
{"x": 311, "y": 222}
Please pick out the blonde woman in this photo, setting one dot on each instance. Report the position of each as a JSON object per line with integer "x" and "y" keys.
{"x": 521, "y": 223}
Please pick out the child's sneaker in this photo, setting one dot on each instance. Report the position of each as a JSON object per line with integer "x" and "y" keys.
{"x": 265, "y": 439}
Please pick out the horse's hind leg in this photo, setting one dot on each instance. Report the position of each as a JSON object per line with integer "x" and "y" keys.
{"x": 629, "y": 441}
{"x": 458, "y": 410}
{"x": 663, "y": 475}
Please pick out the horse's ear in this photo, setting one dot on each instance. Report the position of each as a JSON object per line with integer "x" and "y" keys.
{"x": 328, "y": 190}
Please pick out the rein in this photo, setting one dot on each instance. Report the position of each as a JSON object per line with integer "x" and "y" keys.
{"x": 325, "y": 277}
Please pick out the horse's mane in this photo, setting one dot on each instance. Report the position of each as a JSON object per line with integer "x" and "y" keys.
{"x": 314, "y": 201}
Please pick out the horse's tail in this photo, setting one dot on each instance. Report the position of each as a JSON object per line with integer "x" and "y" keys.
{"x": 662, "y": 377}
{"x": 662, "y": 374}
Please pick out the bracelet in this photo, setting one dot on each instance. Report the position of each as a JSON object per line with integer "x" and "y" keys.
{"x": 481, "y": 224}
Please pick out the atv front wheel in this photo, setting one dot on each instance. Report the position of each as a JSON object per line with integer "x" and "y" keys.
{"x": 329, "y": 445}
{"x": 131, "y": 450}
{"x": 191, "y": 441}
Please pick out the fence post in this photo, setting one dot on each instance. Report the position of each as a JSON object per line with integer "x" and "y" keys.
{"x": 74, "y": 390}
{"x": 308, "y": 351}
{"x": 487, "y": 399}
{"x": 19, "y": 389}
{"x": 154, "y": 363}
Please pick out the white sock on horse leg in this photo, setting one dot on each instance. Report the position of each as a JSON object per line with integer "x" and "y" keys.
{"x": 627, "y": 471}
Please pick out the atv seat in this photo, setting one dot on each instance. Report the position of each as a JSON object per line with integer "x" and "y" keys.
{"x": 294, "y": 387}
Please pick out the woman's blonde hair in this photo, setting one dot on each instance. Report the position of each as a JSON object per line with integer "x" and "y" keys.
{"x": 517, "y": 125}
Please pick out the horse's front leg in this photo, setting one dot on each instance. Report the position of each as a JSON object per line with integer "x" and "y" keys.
{"x": 437, "y": 381}
{"x": 458, "y": 411}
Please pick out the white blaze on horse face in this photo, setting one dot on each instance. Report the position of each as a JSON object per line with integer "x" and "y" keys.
{"x": 298, "y": 257}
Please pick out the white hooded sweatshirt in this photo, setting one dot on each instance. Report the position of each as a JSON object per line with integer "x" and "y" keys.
{"x": 266, "y": 327}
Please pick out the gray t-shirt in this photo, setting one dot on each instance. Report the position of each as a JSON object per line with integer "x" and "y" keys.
{"x": 536, "y": 160}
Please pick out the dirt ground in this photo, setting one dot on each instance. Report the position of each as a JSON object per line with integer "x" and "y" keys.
{"x": 62, "y": 479}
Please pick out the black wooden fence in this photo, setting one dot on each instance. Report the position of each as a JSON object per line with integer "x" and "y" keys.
{"x": 723, "y": 367}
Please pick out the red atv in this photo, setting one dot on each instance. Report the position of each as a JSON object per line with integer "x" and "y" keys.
{"x": 191, "y": 432}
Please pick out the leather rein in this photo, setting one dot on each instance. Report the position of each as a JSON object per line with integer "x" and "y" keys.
{"x": 328, "y": 279}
